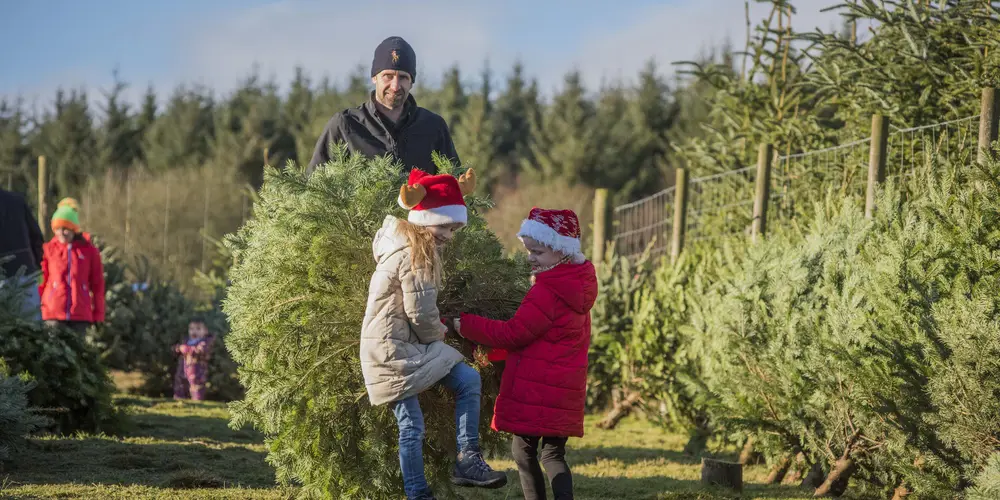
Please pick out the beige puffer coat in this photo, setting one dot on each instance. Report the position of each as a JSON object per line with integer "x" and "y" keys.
{"x": 402, "y": 348}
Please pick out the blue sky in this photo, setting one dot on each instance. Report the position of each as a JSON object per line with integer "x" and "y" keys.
{"x": 217, "y": 42}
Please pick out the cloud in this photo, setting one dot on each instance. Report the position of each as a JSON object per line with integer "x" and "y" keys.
{"x": 332, "y": 40}
{"x": 682, "y": 31}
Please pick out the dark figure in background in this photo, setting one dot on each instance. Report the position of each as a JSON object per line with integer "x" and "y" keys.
{"x": 21, "y": 243}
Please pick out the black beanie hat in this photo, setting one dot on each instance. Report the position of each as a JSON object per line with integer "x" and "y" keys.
{"x": 395, "y": 53}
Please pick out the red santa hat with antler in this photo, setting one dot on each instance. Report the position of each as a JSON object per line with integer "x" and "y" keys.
{"x": 436, "y": 200}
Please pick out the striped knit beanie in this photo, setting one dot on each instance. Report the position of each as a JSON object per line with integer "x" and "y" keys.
{"x": 67, "y": 216}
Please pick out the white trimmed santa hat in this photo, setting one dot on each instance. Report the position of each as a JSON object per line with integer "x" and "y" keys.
{"x": 556, "y": 229}
{"x": 436, "y": 200}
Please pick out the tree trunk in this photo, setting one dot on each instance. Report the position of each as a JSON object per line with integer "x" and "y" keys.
{"x": 779, "y": 470}
{"x": 796, "y": 470}
{"x": 620, "y": 411}
{"x": 836, "y": 481}
{"x": 814, "y": 478}
{"x": 747, "y": 454}
{"x": 719, "y": 473}
{"x": 697, "y": 443}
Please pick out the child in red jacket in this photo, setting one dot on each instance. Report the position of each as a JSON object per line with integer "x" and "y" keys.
{"x": 72, "y": 287}
{"x": 544, "y": 384}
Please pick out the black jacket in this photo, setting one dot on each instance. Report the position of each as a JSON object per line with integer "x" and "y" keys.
{"x": 20, "y": 235}
{"x": 366, "y": 131}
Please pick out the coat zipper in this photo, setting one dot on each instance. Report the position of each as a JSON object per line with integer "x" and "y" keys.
{"x": 69, "y": 280}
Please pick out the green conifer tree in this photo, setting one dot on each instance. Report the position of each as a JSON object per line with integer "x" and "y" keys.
{"x": 475, "y": 137}
{"x": 68, "y": 140}
{"x": 296, "y": 304}
{"x": 13, "y": 148}
{"x": 452, "y": 98}
{"x": 515, "y": 108}
{"x": 182, "y": 134}
{"x": 562, "y": 143}
{"x": 117, "y": 145}
{"x": 297, "y": 110}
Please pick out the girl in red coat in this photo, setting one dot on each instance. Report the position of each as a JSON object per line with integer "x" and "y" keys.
{"x": 72, "y": 288}
{"x": 544, "y": 384}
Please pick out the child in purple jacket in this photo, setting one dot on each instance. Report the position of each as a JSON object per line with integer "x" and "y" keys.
{"x": 192, "y": 367}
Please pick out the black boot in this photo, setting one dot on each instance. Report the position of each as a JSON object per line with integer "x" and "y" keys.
{"x": 472, "y": 470}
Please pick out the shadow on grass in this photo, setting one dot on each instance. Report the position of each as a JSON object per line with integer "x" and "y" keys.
{"x": 587, "y": 487}
{"x": 107, "y": 461}
{"x": 630, "y": 456}
{"x": 163, "y": 426}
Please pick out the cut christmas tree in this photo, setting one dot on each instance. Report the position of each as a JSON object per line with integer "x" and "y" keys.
{"x": 298, "y": 295}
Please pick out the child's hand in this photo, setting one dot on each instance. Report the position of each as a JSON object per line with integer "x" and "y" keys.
{"x": 458, "y": 326}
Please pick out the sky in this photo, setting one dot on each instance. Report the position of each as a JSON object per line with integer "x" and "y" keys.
{"x": 217, "y": 43}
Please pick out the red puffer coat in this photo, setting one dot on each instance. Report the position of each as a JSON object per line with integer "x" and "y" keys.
{"x": 72, "y": 282}
{"x": 544, "y": 385}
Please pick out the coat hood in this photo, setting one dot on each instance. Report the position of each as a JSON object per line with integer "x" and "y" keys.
{"x": 388, "y": 240}
{"x": 574, "y": 284}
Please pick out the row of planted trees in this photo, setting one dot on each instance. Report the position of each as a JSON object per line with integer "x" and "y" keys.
{"x": 842, "y": 350}
{"x": 845, "y": 348}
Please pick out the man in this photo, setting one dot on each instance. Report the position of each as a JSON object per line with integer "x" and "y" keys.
{"x": 390, "y": 122}
{"x": 22, "y": 240}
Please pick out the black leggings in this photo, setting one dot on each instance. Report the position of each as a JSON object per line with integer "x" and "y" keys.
{"x": 553, "y": 458}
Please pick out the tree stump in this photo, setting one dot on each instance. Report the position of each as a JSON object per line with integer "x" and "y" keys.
{"x": 720, "y": 473}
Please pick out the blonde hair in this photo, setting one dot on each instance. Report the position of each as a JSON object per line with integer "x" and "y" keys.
{"x": 424, "y": 252}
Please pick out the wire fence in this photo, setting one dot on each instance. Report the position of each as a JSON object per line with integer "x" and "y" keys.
{"x": 168, "y": 219}
{"x": 721, "y": 205}
{"x": 648, "y": 221}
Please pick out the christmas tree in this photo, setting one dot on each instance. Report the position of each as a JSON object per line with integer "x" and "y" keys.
{"x": 298, "y": 294}
{"x": 17, "y": 420}
{"x": 67, "y": 382}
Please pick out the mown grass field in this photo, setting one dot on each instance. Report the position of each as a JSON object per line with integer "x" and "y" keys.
{"x": 186, "y": 450}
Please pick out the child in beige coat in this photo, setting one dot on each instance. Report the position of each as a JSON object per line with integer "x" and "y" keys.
{"x": 403, "y": 352}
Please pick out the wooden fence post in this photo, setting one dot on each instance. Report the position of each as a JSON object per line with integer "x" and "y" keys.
{"x": 43, "y": 188}
{"x": 988, "y": 116}
{"x": 876, "y": 161}
{"x": 600, "y": 225}
{"x": 765, "y": 154}
{"x": 680, "y": 214}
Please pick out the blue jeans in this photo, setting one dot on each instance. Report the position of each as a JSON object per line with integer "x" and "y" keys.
{"x": 464, "y": 381}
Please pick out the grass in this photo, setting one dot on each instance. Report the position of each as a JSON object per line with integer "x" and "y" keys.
{"x": 186, "y": 450}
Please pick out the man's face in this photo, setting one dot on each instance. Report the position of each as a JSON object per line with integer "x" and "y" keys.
{"x": 392, "y": 87}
